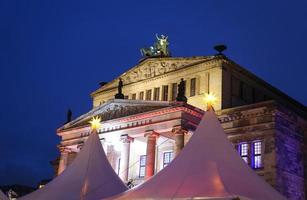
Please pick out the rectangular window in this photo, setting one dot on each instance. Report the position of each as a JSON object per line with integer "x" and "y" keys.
{"x": 141, "y": 97}
{"x": 243, "y": 150}
{"x": 165, "y": 93}
{"x": 257, "y": 157}
{"x": 126, "y": 97}
{"x": 193, "y": 87}
{"x": 156, "y": 94}
{"x": 148, "y": 95}
{"x": 174, "y": 91}
{"x": 133, "y": 97}
{"x": 142, "y": 166}
{"x": 167, "y": 158}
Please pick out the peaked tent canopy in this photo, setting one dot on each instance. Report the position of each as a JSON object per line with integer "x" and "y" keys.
{"x": 2, "y": 196}
{"x": 207, "y": 168}
{"x": 88, "y": 177}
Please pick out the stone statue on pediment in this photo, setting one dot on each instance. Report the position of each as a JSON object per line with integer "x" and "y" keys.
{"x": 181, "y": 92}
{"x": 120, "y": 94}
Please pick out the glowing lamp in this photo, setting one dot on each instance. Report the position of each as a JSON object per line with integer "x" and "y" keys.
{"x": 95, "y": 123}
{"x": 210, "y": 100}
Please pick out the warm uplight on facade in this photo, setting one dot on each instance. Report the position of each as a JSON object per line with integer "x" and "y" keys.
{"x": 95, "y": 123}
{"x": 210, "y": 99}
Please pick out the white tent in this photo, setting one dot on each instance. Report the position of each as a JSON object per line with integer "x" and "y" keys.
{"x": 2, "y": 196}
{"x": 207, "y": 168}
{"x": 88, "y": 177}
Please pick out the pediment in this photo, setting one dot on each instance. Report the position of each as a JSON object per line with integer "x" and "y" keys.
{"x": 114, "y": 109}
{"x": 151, "y": 68}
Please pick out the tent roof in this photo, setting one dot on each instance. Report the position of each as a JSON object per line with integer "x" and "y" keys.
{"x": 208, "y": 167}
{"x": 2, "y": 196}
{"x": 89, "y": 177}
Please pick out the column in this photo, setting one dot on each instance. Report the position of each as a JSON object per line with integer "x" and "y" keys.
{"x": 179, "y": 134}
{"x": 150, "y": 153}
{"x": 63, "y": 160}
{"x": 124, "y": 157}
{"x": 111, "y": 156}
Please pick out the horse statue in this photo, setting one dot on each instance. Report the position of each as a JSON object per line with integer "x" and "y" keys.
{"x": 159, "y": 49}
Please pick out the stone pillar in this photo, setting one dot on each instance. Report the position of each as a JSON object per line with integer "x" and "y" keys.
{"x": 179, "y": 134}
{"x": 150, "y": 153}
{"x": 63, "y": 160}
{"x": 111, "y": 156}
{"x": 124, "y": 157}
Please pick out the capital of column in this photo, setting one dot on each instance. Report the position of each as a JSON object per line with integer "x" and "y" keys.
{"x": 126, "y": 138}
{"x": 179, "y": 130}
{"x": 151, "y": 133}
{"x": 179, "y": 135}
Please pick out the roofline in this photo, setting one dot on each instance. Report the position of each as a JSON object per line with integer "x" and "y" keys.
{"x": 298, "y": 107}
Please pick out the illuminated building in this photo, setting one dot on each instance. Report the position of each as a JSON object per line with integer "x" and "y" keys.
{"x": 143, "y": 132}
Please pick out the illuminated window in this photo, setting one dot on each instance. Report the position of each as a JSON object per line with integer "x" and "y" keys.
{"x": 133, "y": 96}
{"x": 156, "y": 94}
{"x": 165, "y": 93}
{"x": 142, "y": 166}
{"x": 193, "y": 87}
{"x": 148, "y": 95}
{"x": 141, "y": 97}
{"x": 174, "y": 91}
{"x": 257, "y": 157}
{"x": 167, "y": 158}
{"x": 243, "y": 150}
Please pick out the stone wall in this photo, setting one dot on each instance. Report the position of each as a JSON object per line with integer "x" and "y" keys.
{"x": 289, "y": 159}
{"x": 282, "y": 135}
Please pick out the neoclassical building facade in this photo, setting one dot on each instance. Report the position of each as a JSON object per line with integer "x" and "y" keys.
{"x": 143, "y": 132}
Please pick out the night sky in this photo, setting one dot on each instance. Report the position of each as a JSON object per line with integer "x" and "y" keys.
{"x": 53, "y": 54}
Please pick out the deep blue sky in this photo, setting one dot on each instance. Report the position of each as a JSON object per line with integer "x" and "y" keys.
{"x": 54, "y": 53}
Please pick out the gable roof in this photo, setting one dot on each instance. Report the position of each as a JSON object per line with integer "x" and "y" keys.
{"x": 207, "y": 167}
{"x": 88, "y": 177}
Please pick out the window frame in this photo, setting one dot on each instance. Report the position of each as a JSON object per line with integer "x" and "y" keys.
{"x": 156, "y": 96}
{"x": 257, "y": 153}
{"x": 165, "y": 93}
{"x": 244, "y": 153}
{"x": 141, "y": 95}
{"x": 148, "y": 95}
{"x": 142, "y": 166}
{"x": 170, "y": 158}
{"x": 193, "y": 87}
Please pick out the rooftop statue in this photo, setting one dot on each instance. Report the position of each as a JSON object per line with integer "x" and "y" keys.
{"x": 181, "y": 92}
{"x": 159, "y": 49}
{"x": 120, "y": 94}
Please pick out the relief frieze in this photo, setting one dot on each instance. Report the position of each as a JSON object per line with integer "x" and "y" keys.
{"x": 151, "y": 69}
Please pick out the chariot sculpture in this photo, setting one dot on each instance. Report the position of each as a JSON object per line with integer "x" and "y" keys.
{"x": 159, "y": 49}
